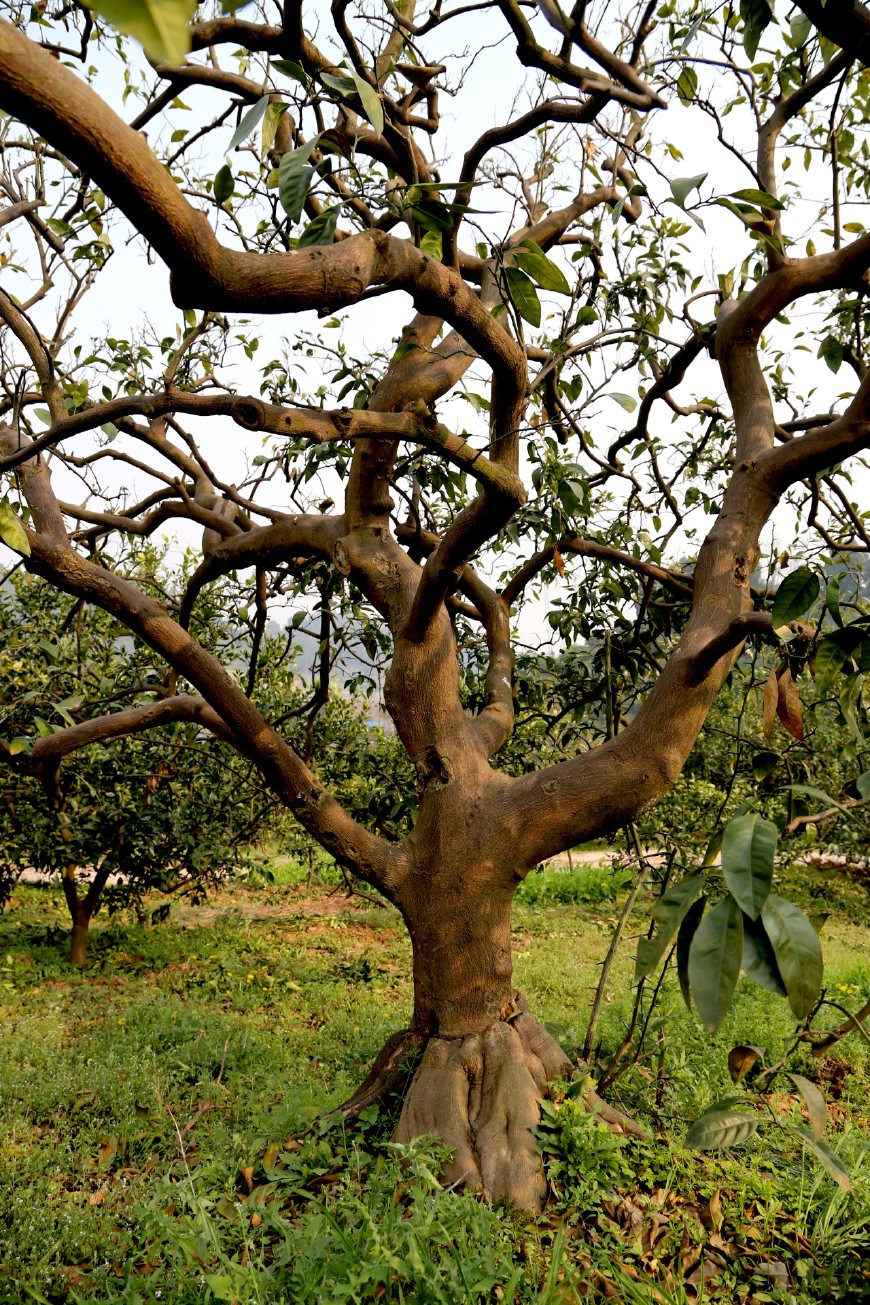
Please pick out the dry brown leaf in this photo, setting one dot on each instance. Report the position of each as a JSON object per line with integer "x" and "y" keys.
{"x": 788, "y": 705}
{"x": 771, "y": 698}
{"x": 711, "y": 1213}
{"x": 559, "y": 560}
{"x": 740, "y": 1061}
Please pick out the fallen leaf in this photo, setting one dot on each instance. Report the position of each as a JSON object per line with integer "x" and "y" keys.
{"x": 711, "y": 1212}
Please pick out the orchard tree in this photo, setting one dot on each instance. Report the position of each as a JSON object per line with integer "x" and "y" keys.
{"x": 513, "y": 169}
{"x": 162, "y": 807}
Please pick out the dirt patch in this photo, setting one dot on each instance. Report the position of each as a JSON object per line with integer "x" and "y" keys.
{"x": 325, "y": 904}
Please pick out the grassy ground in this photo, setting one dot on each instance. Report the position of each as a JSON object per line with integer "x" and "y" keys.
{"x": 163, "y": 1135}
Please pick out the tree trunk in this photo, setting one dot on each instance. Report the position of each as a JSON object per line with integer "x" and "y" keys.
{"x": 79, "y": 941}
{"x": 81, "y": 910}
{"x": 486, "y": 1060}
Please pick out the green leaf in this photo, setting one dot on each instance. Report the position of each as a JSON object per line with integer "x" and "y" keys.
{"x": 748, "y": 847}
{"x": 721, "y": 1126}
{"x": 524, "y": 295}
{"x": 808, "y": 790}
{"x": 756, "y": 15}
{"x": 795, "y": 595}
{"x": 290, "y": 68}
{"x": 714, "y": 961}
{"x": 248, "y": 122}
{"x": 833, "y": 652}
{"x": 161, "y": 26}
{"x": 797, "y": 950}
{"x": 624, "y": 400}
{"x": 818, "y": 1147}
{"x": 371, "y": 103}
{"x": 432, "y": 214}
{"x": 532, "y": 259}
{"x": 814, "y": 1102}
{"x": 687, "y": 932}
{"x": 12, "y": 532}
{"x": 294, "y": 179}
{"x": 274, "y": 113}
{"x": 801, "y": 29}
{"x": 831, "y": 350}
{"x": 18, "y": 745}
{"x": 862, "y": 784}
{"x": 321, "y": 229}
{"x": 221, "y": 1285}
{"x": 758, "y": 962}
{"x": 682, "y": 187}
{"x": 712, "y": 850}
{"x": 687, "y": 84}
{"x": 224, "y": 184}
{"x": 832, "y": 599}
{"x": 342, "y": 86}
{"x": 764, "y": 763}
{"x": 431, "y": 242}
{"x": 759, "y": 197}
{"x": 669, "y": 912}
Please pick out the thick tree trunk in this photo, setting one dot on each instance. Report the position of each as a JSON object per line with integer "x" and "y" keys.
{"x": 486, "y": 1060}
{"x": 480, "y": 1093}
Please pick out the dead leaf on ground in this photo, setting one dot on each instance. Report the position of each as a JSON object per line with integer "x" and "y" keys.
{"x": 711, "y": 1212}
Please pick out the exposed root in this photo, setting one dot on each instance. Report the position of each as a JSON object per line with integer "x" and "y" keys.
{"x": 389, "y": 1074}
{"x": 480, "y": 1094}
{"x": 614, "y": 1119}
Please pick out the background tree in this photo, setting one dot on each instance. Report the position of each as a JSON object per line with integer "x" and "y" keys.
{"x": 545, "y": 257}
{"x": 165, "y": 808}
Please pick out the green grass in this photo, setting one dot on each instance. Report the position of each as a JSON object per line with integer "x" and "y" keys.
{"x": 164, "y": 1133}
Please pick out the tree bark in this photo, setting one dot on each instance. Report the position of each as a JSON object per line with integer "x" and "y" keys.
{"x": 79, "y": 941}
{"x": 486, "y": 1060}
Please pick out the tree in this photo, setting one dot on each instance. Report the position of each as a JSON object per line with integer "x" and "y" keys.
{"x": 556, "y": 252}
{"x": 162, "y": 809}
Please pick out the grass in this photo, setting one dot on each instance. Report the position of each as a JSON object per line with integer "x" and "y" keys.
{"x": 166, "y": 1133}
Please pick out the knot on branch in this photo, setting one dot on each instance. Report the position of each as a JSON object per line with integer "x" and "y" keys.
{"x": 248, "y": 413}
{"x": 435, "y": 770}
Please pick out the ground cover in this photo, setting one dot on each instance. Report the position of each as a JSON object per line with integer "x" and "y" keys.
{"x": 166, "y": 1132}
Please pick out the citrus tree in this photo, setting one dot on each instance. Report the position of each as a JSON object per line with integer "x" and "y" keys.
{"x": 165, "y": 807}
{"x": 631, "y": 236}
